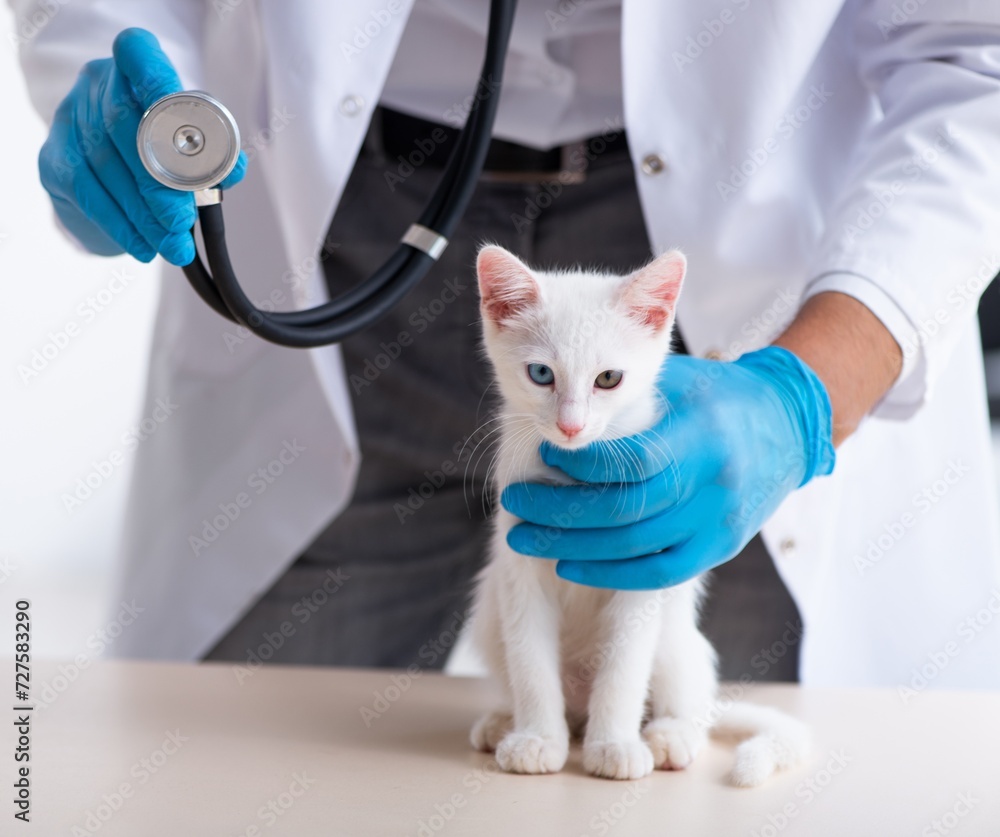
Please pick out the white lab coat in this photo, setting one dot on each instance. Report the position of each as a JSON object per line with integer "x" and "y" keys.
{"x": 788, "y": 91}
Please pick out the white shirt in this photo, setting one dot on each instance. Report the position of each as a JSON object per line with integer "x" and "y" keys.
{"x": 562, "y": 81}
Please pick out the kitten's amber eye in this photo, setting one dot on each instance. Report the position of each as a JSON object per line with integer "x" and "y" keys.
{"x": 609, "y": 379}
{"x": 541, "y": 374}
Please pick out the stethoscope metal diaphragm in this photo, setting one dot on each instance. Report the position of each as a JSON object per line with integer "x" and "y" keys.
{"x": 188, "y": 141}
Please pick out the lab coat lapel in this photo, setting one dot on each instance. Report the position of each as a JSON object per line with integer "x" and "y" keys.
{"x": 334, "y": 61}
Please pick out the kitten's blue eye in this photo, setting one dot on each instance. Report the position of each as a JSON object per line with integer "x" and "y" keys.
{"x": 609, "y": 379}
{"x": 541, "y": 374}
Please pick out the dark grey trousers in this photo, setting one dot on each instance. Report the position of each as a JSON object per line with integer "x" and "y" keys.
{"x": 406, "y": 550}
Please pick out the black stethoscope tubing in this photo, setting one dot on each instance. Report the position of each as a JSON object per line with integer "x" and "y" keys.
{"x": 371, "y": 299}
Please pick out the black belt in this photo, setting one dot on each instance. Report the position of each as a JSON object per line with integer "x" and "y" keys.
{"x": 418, "y": 142}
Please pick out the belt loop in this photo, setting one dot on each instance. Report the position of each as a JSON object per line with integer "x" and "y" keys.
{"x": 573, "y": 161}
{"x": 373, "y": 144}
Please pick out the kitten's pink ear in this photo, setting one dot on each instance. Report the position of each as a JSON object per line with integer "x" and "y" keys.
{"x": 651, "y": 293}
{"x": 506, "y": 286}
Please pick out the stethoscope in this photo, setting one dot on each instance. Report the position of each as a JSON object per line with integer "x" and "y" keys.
{"x": 191, "y": 142}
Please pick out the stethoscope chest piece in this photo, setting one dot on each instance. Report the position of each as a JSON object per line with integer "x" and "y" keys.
{"x": 188, "y": 141}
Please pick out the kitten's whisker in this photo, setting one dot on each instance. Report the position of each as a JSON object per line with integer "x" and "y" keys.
{"x": 621, "y": 451}
{"x": 503, "y": 445}
{"x": 482, "y": 447}
{"x": 493, "y": 383}
{"x": 663, "y": 447}
{"x": 486, "y": 440}
{"x": 513, "y": 444}
{"x": 622, "y": 458}
{"x": 523, "y": 445}
{"x": 509, "y": 432}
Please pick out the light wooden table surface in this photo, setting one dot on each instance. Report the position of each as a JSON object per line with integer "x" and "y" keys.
{"x": 143, "y": 750}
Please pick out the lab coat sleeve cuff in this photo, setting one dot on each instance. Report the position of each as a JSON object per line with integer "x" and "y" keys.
{"x": 909, "y": 392}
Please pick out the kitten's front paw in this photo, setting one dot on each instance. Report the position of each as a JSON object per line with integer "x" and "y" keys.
{"x": 489, "y": 730}
{"x": 522, "y": 752}
{"x": 674, "y": 742}
{"x": 618, "y": 759}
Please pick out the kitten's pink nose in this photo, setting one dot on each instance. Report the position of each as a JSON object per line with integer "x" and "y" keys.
{"x": 569, "y": 429}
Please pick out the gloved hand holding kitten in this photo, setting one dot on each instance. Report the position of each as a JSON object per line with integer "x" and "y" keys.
{"x": 690, "y": 458}
{"x": 734, "y": 440}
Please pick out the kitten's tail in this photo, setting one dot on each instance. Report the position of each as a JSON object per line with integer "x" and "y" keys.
{"x": 774, "y": 741}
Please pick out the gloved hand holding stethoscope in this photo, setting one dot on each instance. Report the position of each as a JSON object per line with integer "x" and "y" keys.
{"x": 91, "y": 167}
{"x": 132, "y": 161}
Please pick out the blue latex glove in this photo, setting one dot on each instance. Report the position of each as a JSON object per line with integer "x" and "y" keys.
{"x": 664, "y": 506}
{"x": 90, "y": 164}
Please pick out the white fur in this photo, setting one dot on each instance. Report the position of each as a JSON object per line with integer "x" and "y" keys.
{"x": 569, "y": 656}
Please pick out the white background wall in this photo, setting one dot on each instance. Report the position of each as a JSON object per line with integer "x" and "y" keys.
{"x": 57, "y": 424}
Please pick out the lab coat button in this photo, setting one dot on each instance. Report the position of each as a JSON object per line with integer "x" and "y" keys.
{"x": 713, "y": 354}
{"x": 787, "y": 547}
{"x": 653, "y": 164}
{"x": 351, "y": 105}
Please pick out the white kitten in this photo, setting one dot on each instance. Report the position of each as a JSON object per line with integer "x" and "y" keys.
{"x": 576, "y": 357}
